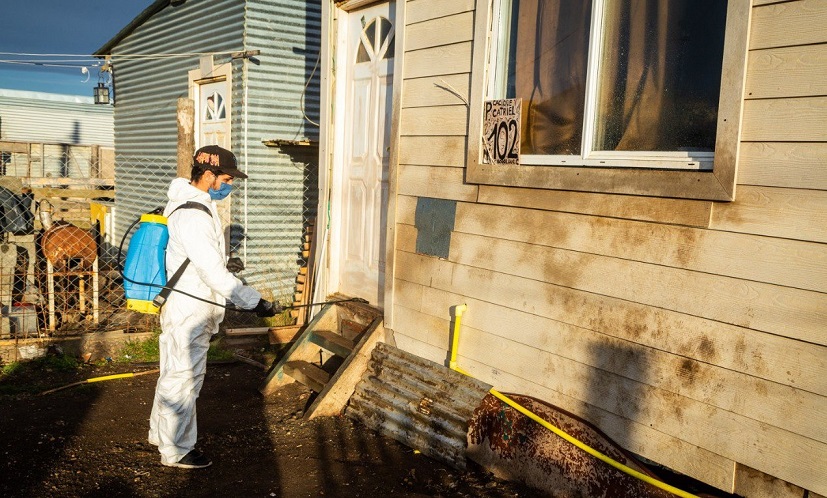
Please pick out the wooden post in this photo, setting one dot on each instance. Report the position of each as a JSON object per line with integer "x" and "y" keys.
{"x": 50, "y": 282}
{"x": 186, "y": 136}
{"x": 95, "y": 293}
{"x": 95, "y": 162}
{"x": 81, "y": 292}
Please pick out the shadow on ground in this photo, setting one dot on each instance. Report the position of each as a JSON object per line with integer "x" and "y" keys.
{"x": 91, "y": 441}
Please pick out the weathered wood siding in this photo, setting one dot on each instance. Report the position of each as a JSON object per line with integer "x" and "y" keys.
{"x": 692, "y": 332}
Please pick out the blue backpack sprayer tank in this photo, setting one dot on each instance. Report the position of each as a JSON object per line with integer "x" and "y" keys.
{"x": 144, "y": 273}
{"x": 144, "y": 266}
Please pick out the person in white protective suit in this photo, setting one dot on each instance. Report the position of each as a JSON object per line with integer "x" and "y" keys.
{"x": 186, "y": 323}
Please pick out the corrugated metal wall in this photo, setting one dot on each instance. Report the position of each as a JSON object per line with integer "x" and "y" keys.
{"x": 281, "y": 192}
{"x": 283, "y": 179}
{"x": 50, "y": 118}
{"x": 147, "y": 92}
{"x": 288, "y": 33}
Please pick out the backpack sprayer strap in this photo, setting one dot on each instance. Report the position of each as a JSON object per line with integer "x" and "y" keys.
{"x": 162, "y": 296}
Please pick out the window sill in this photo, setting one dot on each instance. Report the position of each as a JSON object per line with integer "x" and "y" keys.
{"x": 655, "y": 162}
{"x": 704, "y": 185}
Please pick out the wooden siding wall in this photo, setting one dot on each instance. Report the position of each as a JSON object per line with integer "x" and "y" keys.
{"x": 692, "y": 332}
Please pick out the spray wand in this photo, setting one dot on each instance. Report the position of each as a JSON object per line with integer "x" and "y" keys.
{"x": 228, "y": 306}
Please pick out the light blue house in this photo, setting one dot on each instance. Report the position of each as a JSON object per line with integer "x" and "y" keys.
{"x": 249, "y": 67}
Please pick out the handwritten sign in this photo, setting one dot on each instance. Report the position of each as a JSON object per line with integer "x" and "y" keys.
{"x": 501, "y": 130}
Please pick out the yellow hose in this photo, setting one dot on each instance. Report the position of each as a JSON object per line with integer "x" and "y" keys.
{"x": 110, "y": 377}
{"x": 458, "y": 311}
{"x": 101, "y": 379}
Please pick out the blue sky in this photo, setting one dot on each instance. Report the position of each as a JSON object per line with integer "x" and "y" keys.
{"x": 77, "y": 27}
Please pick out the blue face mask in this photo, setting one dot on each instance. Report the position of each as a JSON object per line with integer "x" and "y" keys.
{"x": 221, "y": 193}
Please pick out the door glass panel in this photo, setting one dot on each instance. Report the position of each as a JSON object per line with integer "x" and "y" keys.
{"x": 366, "y": 48}
{"x": 213, "y": 113}
{"x": 384, "y": 30}
{"x": 369, "y": 45}
{"x": 214, "y": 107}
{"x": 391, "y": 48}
{"x": 362, "y": 55}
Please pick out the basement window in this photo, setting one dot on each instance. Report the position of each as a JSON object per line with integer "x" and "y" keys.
{"x": 627, "y": 96}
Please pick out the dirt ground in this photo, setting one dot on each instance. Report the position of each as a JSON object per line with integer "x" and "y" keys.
{"x": 90, "y": 441}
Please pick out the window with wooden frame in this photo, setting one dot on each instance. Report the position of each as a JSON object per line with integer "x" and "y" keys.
{"x": 627, "y": 96}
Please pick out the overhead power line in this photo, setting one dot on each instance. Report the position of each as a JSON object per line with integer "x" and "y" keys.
{"x": 44, "y": 63}
{"x": 122, "y": 55}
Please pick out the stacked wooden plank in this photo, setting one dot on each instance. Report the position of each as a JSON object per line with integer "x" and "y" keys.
{"x": 304, "y": 280}
{"x": 70, "y": 198}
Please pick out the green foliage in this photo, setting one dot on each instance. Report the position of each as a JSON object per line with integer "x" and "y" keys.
{"x": 283, "y": 318}
{"x": 9, "y": 369}
{"x": 147, "y": 350}
{"x": 60, "y": 362}
{"x": 140, "y": 350}
{"x": 49, "y": 363}
{"x": 218, "y": 351}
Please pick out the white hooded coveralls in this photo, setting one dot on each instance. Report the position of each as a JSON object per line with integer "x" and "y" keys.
{"x": 186, "y": 323}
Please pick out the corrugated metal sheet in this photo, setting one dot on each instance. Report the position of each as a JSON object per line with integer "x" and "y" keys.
{"x": 283, "y": 181}
{"x": 281, "y": 192}
{"x": 50, "y": 118}
{"x": 147, "y": 90}
{"x": 417, "y": 402}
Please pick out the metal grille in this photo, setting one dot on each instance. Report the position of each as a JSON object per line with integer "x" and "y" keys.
{"x": 62, "y": 221}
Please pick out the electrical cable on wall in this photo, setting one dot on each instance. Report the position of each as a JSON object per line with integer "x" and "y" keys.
{"x": 304, "y": 90}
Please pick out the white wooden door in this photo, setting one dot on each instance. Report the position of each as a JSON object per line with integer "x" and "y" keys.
{"x": 366, "y": 151}
{"x": 214, "y": 114}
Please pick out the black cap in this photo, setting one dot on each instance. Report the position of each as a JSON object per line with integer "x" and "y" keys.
{"x": 218, "y": 159}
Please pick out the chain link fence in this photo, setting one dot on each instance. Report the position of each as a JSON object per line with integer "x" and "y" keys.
{"x": 48, "y": 266}
{"x": 64, "y": 211}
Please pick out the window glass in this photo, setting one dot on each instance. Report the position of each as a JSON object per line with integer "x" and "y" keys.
{"x": 657, "y": 73}
{"x": 546, "y": 61}
{"x": 391, "y": 48}
{"x": 366, "y": 46}
{"x": 660, "y": 75}
{"x": 384, "y": 30}
{"x": 362, "y": 55}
